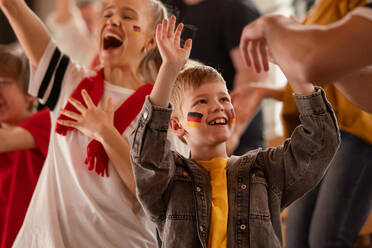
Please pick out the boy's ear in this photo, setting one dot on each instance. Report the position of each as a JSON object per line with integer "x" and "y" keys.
{"x": 176, "y": 127}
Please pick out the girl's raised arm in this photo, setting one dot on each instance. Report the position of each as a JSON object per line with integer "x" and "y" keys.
{"x": 30, "y": 31}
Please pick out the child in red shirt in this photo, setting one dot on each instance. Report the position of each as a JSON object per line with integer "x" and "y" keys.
{"x": 24, "y": 143}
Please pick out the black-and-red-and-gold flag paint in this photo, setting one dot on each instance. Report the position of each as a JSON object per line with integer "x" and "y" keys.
{"x": 194, "y": 119}
{"x": 233, "y": 118}
{"x": 136, "y": 29}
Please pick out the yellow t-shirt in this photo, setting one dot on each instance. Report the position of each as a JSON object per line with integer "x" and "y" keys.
{"x": 350, "y": 118}
{"x": 218, "y": 226}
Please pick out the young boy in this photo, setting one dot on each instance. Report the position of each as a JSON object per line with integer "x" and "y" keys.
{"x": 209, "y": 199}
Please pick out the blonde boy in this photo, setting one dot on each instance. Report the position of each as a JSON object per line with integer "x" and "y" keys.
{"x": 210, "y": 199}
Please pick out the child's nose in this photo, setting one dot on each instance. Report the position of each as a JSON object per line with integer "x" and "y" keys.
{"x": 217, "y": 107}
{"x": 114, "y": 20}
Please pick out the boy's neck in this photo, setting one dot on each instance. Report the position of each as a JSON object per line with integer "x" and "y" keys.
{"x": 206, "y": 153}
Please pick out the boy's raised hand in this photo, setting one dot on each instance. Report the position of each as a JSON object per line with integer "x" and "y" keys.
{"x": 168, "y": 41}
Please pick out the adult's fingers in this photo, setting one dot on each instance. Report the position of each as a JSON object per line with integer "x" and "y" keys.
{"x": 244, "y": 49}
{"x": 264, "y": 57}
{"x": 252, "y": 48}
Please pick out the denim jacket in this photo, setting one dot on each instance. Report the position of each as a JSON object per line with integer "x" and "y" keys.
{"x": 176, "y": 193}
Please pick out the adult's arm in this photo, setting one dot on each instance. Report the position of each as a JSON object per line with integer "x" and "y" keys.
{"x": 28, "y": 28}
{"x": 310, "y": 53}
{"x": 357, "y": 88}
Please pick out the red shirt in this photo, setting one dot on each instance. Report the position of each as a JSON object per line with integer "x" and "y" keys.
{"x": 19, "y": 172}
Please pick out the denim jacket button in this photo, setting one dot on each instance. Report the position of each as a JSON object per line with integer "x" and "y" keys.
{"x": 198, "y": 189}
{"x": 243, "y": 186}
{"x": 243, "y": 227}
{"x": 201, "y": 228}
{"x": 145, "y": 114}
{"x": 185, "y": 174}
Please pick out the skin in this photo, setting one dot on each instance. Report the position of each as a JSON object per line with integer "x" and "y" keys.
{"x": 312, "y": 53}
{"x": 119, "y": 17}
{"x": 14, "y": 106}
{"x": 213, "y": 101}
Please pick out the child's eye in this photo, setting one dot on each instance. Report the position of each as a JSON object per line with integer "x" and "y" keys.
{"x": 201, "y": 101}
{"x": 225, "y": 99}
{"x": 126, "y": 17}
{"x": 107, "y": 15}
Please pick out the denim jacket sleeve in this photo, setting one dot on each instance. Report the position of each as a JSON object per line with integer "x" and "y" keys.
{"x": 151, "y": 157}
{"x": 298, "y": 165}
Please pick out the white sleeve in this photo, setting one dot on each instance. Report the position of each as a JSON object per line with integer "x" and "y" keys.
{"x": 55, "y": 77}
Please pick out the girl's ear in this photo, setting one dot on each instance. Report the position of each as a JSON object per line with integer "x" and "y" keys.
{"x": 176, "y": 127}
{"x": 150, "y": 44}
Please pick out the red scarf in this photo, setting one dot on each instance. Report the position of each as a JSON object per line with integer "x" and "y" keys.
{"x": 124, "y": 115}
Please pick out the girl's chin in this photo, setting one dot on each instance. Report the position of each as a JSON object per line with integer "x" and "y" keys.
{"x": 110, "y": 54}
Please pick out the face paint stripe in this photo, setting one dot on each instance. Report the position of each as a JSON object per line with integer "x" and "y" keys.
{"x": 195, "y": 119}
{"x": 193, "y": 124}
{"x": 194, "y": 114}
{"x": 233, "y": 118}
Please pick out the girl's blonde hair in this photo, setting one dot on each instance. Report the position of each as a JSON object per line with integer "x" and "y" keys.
{"x": 151, "y": 63}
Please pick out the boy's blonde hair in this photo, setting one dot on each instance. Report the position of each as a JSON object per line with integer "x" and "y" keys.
{"x": 192, "y": 77}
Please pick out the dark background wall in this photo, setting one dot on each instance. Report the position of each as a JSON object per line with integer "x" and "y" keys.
{"x": 6, "y": 34}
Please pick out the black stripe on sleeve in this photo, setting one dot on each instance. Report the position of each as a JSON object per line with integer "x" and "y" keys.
{"x": 49, "y": 73}
{"x": 58, "y": 78}
{"x": 368, "y": 5}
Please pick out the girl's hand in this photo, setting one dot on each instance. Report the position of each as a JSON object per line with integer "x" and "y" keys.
{"x": 168, "y": 41}
{"x": 92, "y": 121}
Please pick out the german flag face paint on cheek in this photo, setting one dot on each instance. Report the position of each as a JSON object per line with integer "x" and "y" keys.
{"x": 136, "y": 29}
{"x": 194, "y": 119}
{"x": 233, "y": 118}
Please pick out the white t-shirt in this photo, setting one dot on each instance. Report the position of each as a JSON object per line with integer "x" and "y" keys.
{"x": 72, "y": 206}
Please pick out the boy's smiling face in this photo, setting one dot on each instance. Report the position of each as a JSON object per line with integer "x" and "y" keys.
{"x": 207, "y": 115}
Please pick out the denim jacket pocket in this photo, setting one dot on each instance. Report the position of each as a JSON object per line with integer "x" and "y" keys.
{"x": 259, "y": 198}
{"x": 181, "y": 215}
{"x": 261, "y": 231}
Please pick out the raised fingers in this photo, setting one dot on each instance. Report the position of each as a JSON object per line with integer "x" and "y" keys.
{"x": 177, "y": 36}
{"x": 188, "y": 44}
{"x": 172, "y": 24}
{"x": 164, "y": 26}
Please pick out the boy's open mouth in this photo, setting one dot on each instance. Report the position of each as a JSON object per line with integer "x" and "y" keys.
{"x": 111, "y": 41}
{"x": 218, "y": 121}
